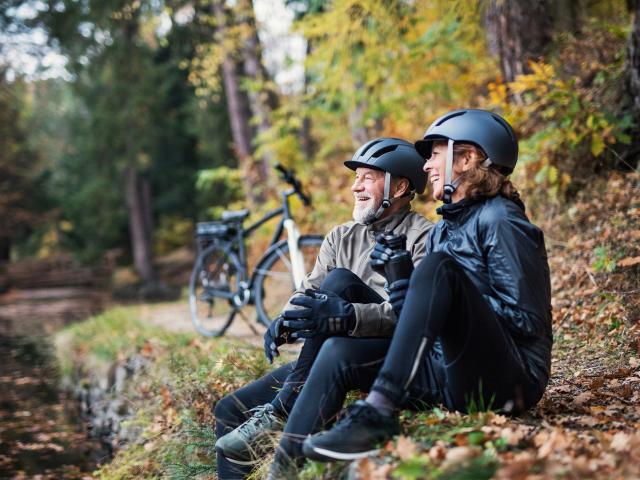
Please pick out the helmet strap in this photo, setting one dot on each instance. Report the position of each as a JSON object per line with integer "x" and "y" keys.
{"x": 449, "y": 186}
{"x": 386, "y": 201}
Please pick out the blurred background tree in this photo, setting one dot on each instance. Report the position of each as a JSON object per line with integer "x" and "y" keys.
{"x": 169, "y": 111}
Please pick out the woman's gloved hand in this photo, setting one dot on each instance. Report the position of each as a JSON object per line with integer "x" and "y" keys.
{"x": 397, "y": 294}
{"x": 324, "y": 313}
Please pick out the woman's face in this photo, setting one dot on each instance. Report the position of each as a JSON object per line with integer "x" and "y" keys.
{"x": 435, "y": 169}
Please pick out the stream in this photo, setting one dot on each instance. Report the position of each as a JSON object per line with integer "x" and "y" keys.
{"x": 41, "y": 434}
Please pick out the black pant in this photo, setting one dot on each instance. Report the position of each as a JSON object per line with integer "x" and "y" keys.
{"x": 282, "y": 386}
{"x": 482, "y": 362}
{"x": 479, "y": 361}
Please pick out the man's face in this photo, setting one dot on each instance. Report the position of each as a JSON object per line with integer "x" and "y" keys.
{"x": 368, "y": 190}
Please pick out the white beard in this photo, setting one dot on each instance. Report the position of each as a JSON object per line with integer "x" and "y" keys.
{"x": 364, "y": 213}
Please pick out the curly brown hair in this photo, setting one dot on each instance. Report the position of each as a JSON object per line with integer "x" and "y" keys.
{"x": 483, "y": 181}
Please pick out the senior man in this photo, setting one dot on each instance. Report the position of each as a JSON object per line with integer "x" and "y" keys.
{"x": 341, "y": 296}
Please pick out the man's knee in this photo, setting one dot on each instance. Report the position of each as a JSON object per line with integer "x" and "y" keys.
{"x": 228, "y": 414}
{"x": 336, "y": 350}
{"x": 339, "y": 279}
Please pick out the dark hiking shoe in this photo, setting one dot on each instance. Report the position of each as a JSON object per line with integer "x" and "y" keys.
{"x": 359, "y": 434}
{"x": 283, "y": 468}
{"x": 248, "y": 443}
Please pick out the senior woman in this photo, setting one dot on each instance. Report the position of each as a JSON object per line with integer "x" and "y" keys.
{"x": 474, "y": 326}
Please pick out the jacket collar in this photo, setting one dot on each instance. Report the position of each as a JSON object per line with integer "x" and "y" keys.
{"x": 456, "y": 211}
{"x": 390, "y": 222}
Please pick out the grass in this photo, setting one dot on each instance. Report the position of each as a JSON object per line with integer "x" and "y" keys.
{"x": 171, "y": 396}
{"x": 585, "y": 425}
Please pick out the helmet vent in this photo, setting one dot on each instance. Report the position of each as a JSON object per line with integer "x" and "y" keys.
{"x": 501, "y": 123}
{"x": 449, "y": 117}
{"x": 384, "y": 150}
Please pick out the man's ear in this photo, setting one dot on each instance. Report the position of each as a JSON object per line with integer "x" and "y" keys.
{"x": 402, "y": 187}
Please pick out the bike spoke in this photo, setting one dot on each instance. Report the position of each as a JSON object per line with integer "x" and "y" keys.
{"x": 285, "y": 259}
{"x": 271, "y": 273}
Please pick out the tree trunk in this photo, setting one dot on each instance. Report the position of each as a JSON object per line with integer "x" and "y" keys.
{"x": 137, "y": 188}
{"x": 633, "y": 55}
{"x": 260, "y": 100}
{"x": 517, "y": 31}
{"x": 5, "y": 249}
{"x": 138, "y": 194}
{"x": 237, "y": 105}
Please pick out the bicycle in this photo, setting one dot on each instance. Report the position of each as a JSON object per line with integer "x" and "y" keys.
{"x": 221, "y": 284}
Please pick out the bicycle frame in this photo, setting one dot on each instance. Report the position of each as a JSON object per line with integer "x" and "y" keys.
{"x": 244, "y": 233}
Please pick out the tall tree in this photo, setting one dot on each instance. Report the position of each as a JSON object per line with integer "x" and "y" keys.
{"x": 633, "y": 54}
{"x": 517, "y": 31}
{"x": 236, "y": 53}
{"x": 21, "y": 195}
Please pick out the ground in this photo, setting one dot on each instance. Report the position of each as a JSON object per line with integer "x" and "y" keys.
{"x": 584, "y": 427}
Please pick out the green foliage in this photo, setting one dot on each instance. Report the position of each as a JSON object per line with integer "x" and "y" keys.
{"x": 570, "y": 112}
{"x": 604, "y": 260}
{"x": 22, "y": 197}
{"x": 217, "y": 188}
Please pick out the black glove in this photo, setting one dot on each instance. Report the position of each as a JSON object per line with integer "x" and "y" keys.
{"x": 397, "y": 294}
{"x": 388, "y": 245}
{"x": 324, "y": 313}
{"x": 380, "y": 256}
{"x": 398, "y": 267}
{"x": 275, "y": 336}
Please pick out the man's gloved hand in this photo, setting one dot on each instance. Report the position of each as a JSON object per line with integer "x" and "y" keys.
{"x": 397, "y": 294}
{"x": 277, "y": 334}
{"x": 380, "y": 255}
{"x": 324, "y": 313}
{"x": 390, "y": 256}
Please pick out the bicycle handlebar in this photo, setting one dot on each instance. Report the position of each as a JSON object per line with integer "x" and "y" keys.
{"x": 289, "y": 177}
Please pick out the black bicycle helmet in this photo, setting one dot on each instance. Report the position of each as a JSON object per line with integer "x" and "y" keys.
{"x": 393, "y": 155}
{"x": 486, "y": 130}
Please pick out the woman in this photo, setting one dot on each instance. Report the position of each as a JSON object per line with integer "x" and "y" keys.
{"x": 481, "y": 296}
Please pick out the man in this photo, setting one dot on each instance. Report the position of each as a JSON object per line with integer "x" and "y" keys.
{"x": 342, "y": 296}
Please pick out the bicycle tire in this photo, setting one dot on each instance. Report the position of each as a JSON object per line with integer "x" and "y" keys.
{"x": 213, "y": 284}
{"x": 273, "y": 282}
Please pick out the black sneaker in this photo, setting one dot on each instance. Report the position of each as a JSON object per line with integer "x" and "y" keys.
{"x": 359, "y": 434}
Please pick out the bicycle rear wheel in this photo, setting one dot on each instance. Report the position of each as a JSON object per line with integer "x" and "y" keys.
{"x": 274, "y": 277}
{"x": 214, "y": 284}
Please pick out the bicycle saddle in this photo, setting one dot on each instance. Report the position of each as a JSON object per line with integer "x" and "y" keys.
{"x": 235, "y": 216}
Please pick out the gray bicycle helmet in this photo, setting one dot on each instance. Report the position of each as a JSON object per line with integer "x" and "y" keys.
{"x": 393, "y": 156}
{"x": 488, "y": 131}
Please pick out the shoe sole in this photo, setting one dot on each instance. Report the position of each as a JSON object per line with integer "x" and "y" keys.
{"x": 327, "y": 455}
{"x": 242, "y": 462}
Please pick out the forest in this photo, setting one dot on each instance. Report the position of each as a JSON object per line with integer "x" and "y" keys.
{"x": 123, "y": 123}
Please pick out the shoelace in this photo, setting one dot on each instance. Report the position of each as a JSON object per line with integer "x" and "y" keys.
{"x": 260, "y": 412}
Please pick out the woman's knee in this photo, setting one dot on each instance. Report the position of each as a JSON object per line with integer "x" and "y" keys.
{"x": 432, "y": 265}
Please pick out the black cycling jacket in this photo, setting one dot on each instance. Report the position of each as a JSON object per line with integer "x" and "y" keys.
{"x": 505, "y": 257}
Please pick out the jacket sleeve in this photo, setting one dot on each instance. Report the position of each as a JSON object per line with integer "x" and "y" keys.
{"x": 325, "y": 262}
{"x": 520, "y": 291}
{"x": 379, "y": 320}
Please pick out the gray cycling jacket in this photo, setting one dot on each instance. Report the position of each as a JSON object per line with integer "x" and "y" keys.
{"x": 349, "y": 246}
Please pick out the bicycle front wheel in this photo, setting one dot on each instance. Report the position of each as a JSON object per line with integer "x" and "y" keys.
{"x": 274, "y": 277}
{"x": 214, "y": 284}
